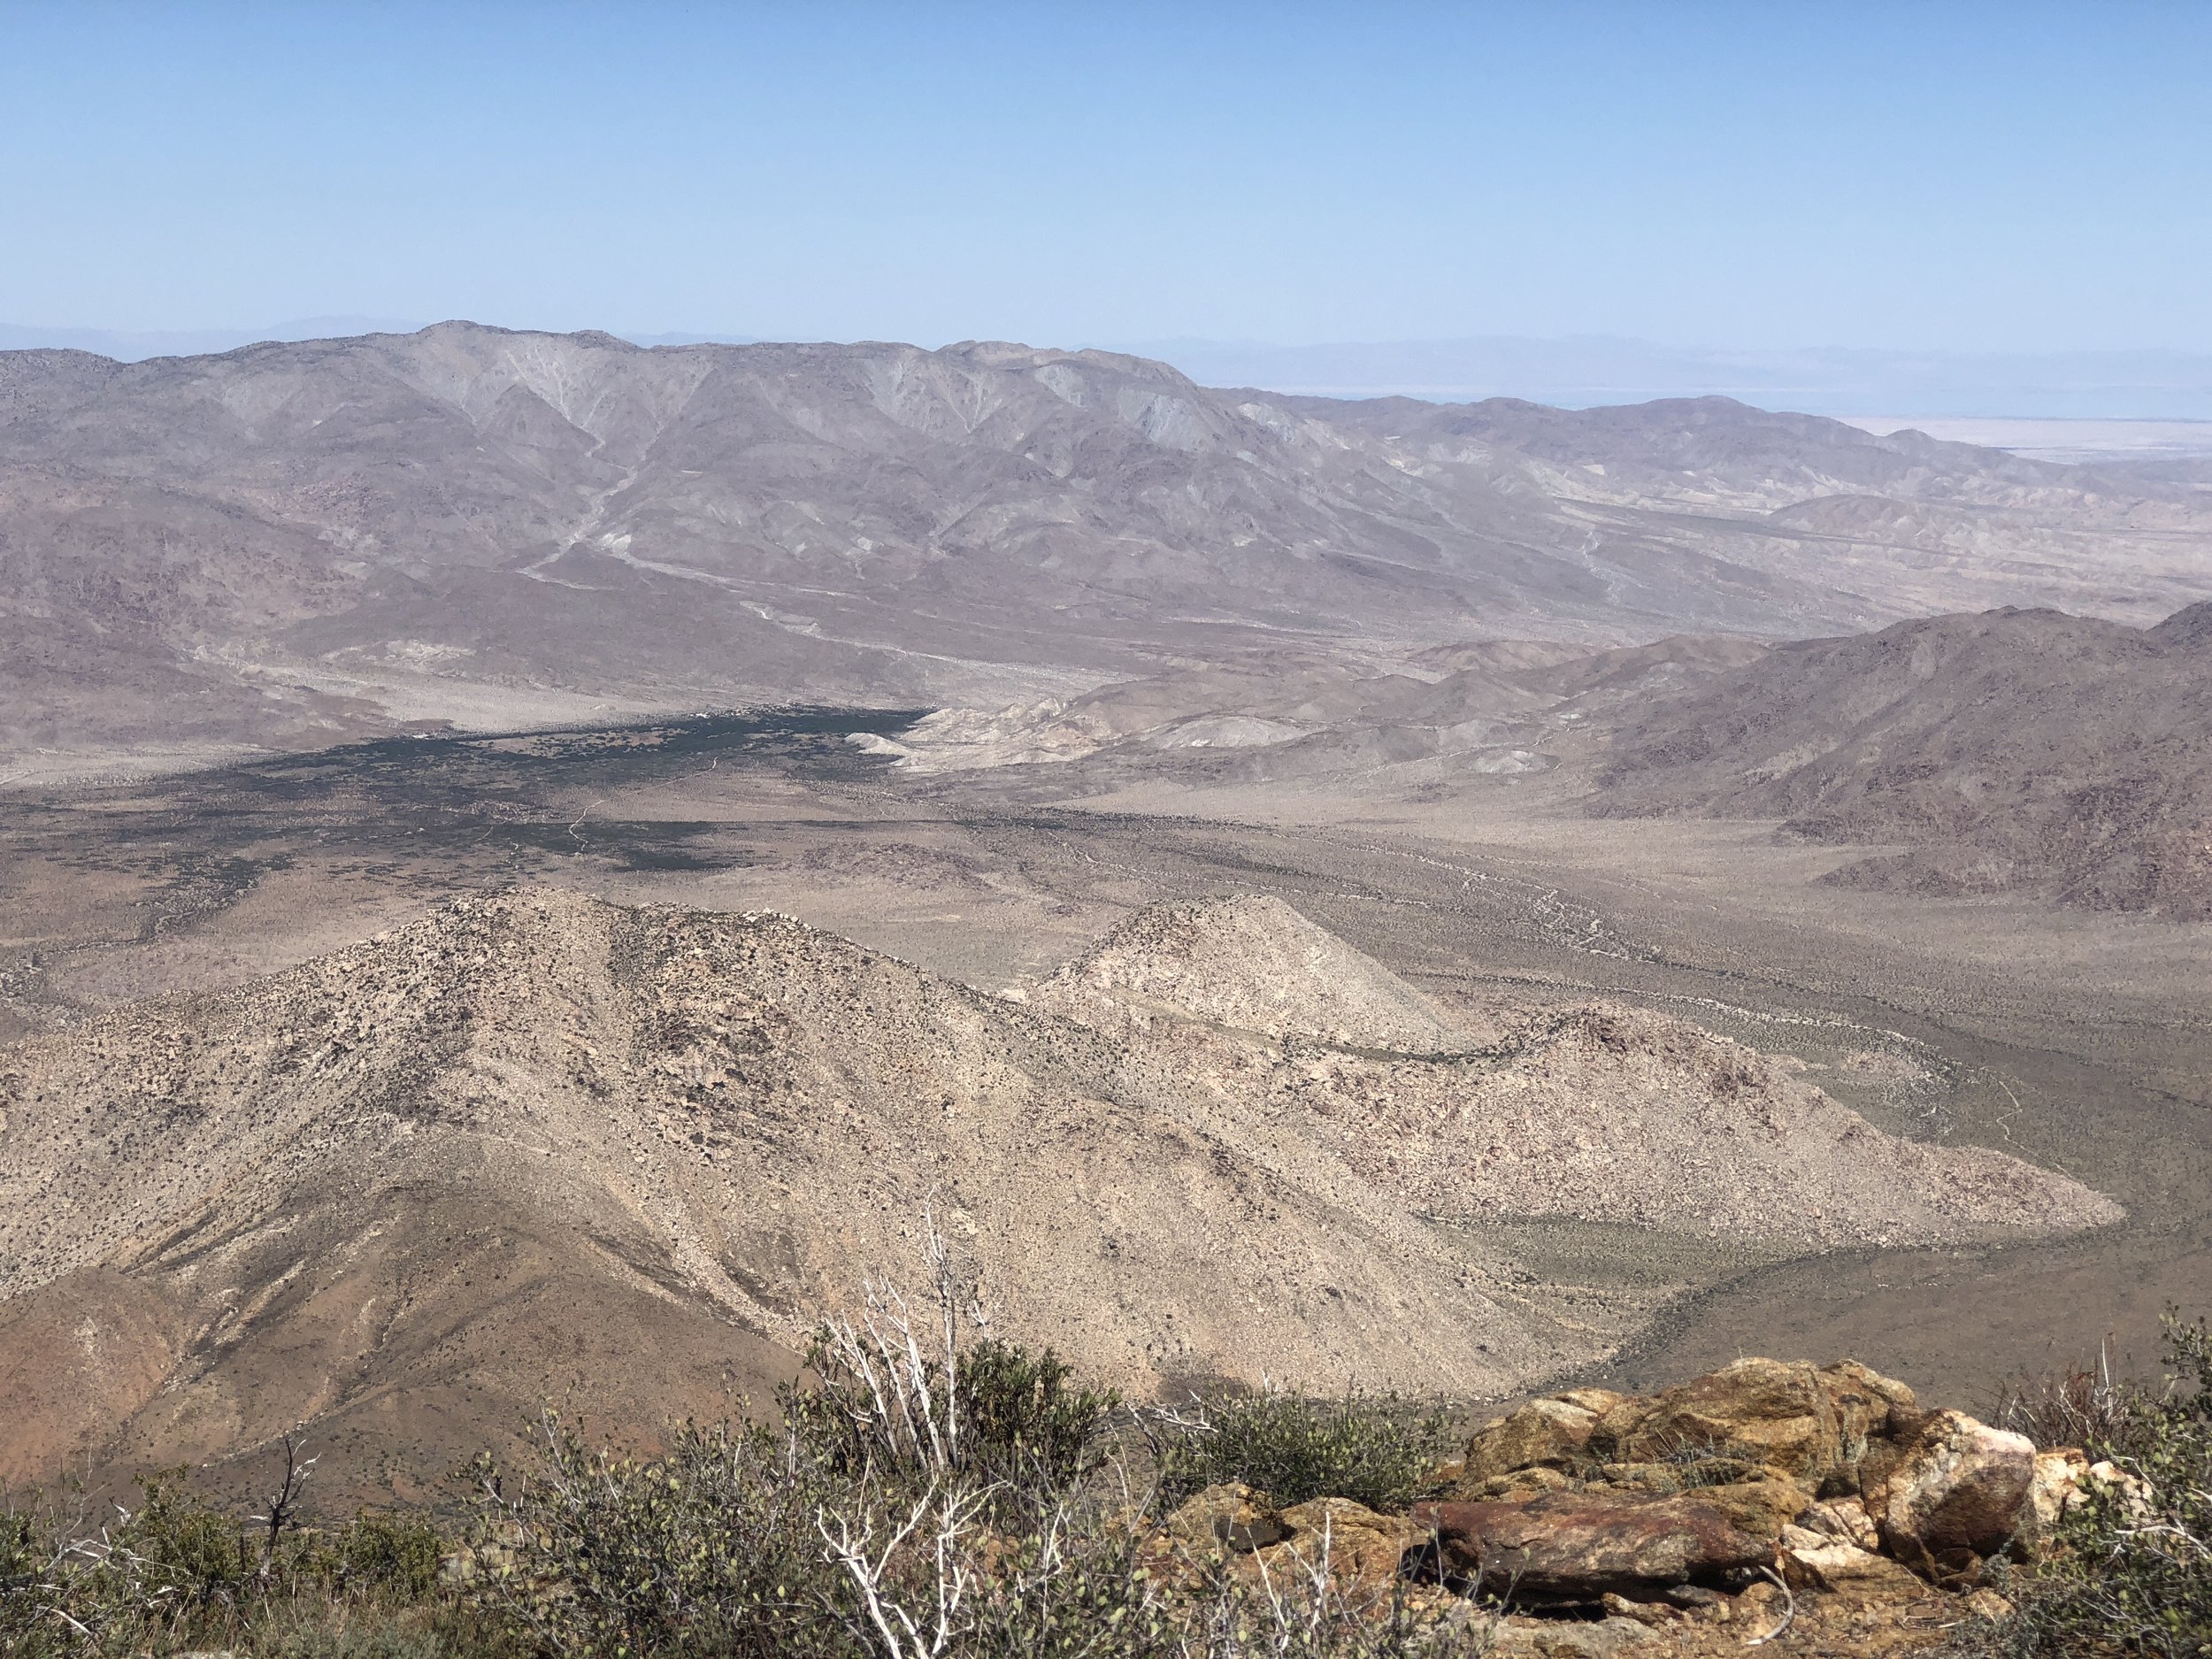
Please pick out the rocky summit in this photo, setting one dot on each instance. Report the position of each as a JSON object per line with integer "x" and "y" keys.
{"x": 1716, "y": 1515}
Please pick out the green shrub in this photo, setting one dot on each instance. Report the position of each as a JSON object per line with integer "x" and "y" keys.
{"x": 1374, "y": 1449}
{"x": 1024, "y": 1416}
{"x": 180, "y": 1572}
{"x": 385, "y": 1555}
{"x": 915, "y": 1501}
{"x": 712, "y": 1547}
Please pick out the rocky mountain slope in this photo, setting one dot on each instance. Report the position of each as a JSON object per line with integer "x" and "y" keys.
{"x": 289, "y": 543}
{"x": 536, "y": 1147}
{"x": 2010, "y": 749}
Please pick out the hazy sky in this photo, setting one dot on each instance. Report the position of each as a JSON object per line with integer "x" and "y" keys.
{"x": 1991, "y": 176}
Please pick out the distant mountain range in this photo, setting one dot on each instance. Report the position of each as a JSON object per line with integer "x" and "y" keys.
{"x": 2007, "y": 750}
{"x": 1577, "y": 372}
{"x": 292, "y": 543}
{"x": 126, "y": 346}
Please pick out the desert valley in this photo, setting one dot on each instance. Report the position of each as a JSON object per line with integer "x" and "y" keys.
{"x": 532, "y": 867}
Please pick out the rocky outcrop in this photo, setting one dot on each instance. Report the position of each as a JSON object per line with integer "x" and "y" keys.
{"x": 1831, "y": 1475}
{"x": 1545, "y": 1434}
{"x": 1359, "y": 1551}
{"x": 1362, "y": 1550}
{"x": 1805, "y": 1422}
{"x": 1768, "y": 1497}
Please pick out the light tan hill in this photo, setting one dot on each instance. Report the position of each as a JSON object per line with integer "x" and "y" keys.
{"x": 1252, "y": 964}
{"x": 535, "y": 1146}
{"x": 533, "y": 1143}
{"x": 1281, "y": 1036}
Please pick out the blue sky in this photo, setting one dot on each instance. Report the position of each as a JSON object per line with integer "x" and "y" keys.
{"x": 1966, "y": 177}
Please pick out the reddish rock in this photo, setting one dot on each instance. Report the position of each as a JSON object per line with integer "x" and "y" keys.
{"x": 1581, "y": 1545}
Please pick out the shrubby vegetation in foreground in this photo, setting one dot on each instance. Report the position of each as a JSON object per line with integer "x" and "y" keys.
{"x": 916, "y": 1499}
{"x": 898, "y": 1507}
{"x": 2128, "y": 1568}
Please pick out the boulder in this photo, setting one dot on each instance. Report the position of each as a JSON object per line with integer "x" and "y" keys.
{"x": 1868, "y": 1405}
{"x": 1813, "y": 1561}
{"x": 1807, "y": 1422}
{"x": 1843, "y": 1521}
{"x": 1759, "y": 1508}
{"x": 2057, "y": 1485}
{"x": 1363, "y": 1550}
{"x": 1960, "y": 1491}
{"x": 1547, "y": 1433}
{"x": 1521, "y": 1483}
{"x": 1675, "y": 1476}
{"x": 1773, "y": 1412}
{"x": 1577, "y": 1546}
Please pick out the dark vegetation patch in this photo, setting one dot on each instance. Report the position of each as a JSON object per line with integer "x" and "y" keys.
{"x": 2130, "y": 1572}
{"x": 482, "y": 807}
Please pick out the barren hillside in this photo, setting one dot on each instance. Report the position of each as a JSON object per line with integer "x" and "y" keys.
{"x": 2015, "y": 749}
{"x": 538, "y": 1147}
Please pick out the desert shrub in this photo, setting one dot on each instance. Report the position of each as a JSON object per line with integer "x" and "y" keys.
{"x": 2079, "y": 1405}
{"x": 394, "y": 1557}
{"x": 26, "y": 1546}
{"x": 1025, "y": 1416}
{"x": 712, "y": 1547}
{"x": 1374, "y": 1449}
{"x": 2129, "y": 1570}
{"x": 178, "y": 1572}
{"x": 884, "y": 1516}
{"x": 915, "y": 1500}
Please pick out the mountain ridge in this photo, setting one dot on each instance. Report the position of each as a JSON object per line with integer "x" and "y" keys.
{"x": 292, "y": 543}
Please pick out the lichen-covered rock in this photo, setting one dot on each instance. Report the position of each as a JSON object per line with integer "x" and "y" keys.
{"x": 2057, "y": 1485}
{"x": 1542, "y": 1434}
{"x": 1773, "y": 1412}
{"x": 1521, "y": 1483}
{"x": 1813, "y": 1560}
{"x": 1760, "y": 1507}
{"x": 1868, "y": 1406}
{"x": 1362, "y": 1549}
{"x": 1813, "y": 1424}
{"x": 1960, "y": 1492}
{"x": 1227, "y": 1518}
{"x": 1843, "y": 1521}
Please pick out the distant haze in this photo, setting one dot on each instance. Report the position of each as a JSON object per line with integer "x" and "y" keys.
{"x": 136, "y": 346}
{"x": 1582, "y": 372}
